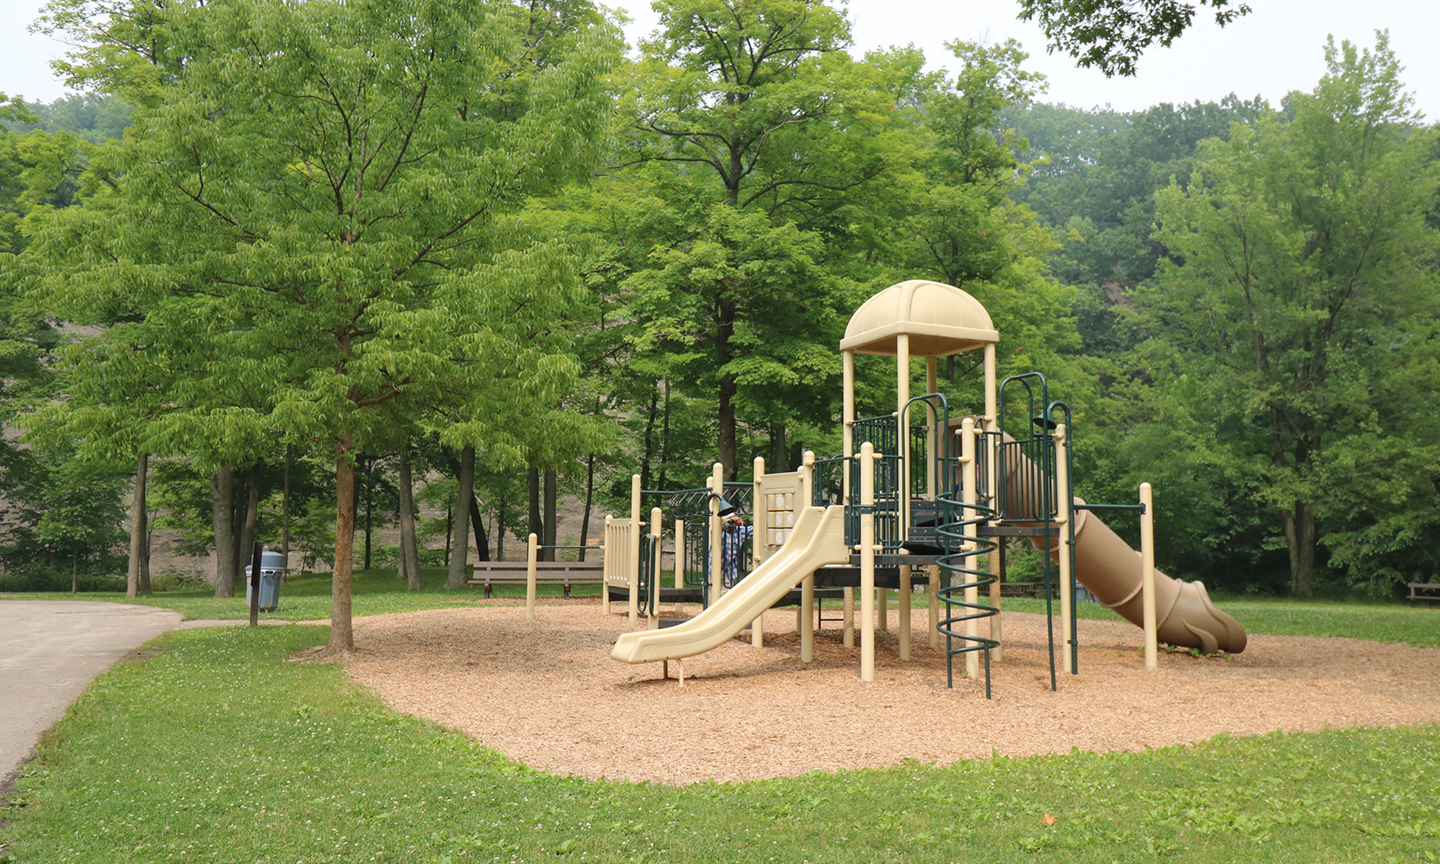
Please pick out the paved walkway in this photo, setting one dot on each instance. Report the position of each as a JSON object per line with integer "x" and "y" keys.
{"x": 50, "y": 651}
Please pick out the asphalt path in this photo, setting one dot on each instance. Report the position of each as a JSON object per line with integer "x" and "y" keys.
{"x": 50, "y": 651}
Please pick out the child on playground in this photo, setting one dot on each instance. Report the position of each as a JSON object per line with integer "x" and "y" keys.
{"x": 734, "y": 532}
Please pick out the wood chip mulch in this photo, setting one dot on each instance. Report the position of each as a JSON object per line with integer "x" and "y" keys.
{"x": 546, "y": 693}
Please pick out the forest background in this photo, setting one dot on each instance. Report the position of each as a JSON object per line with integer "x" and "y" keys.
{"x": 286, "y": 271}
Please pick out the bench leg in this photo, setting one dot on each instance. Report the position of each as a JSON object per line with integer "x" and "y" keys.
{"x": 487, "y": 590}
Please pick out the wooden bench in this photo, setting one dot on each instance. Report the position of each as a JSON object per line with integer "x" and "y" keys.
{"x": 1417, "y": 587}
{"x": 563, "y": 573}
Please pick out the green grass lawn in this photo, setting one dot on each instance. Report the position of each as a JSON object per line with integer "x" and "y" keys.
{"x": 306, "y": 597}
{"x": 211, "y": 748}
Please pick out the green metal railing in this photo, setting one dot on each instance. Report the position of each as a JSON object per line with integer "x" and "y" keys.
{"x": 693, "y": 507}
{"x": 1026, "y": 493}
{"x": 648, "y": 575}
{"x": 883, "y": 434}
{"x": 961, "y": 541}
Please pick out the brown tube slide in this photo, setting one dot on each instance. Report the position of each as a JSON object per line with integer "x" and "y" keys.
{"x": 1111, "y": 570}
{"x": 1107, "y": 566}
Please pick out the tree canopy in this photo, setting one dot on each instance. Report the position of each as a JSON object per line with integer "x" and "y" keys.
{"x": 1110, "y": 35}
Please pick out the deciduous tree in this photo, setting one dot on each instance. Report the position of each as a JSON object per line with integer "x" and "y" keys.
{"x": 314, "y": 220}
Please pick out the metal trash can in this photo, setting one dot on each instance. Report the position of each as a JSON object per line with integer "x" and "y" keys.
{"x": 272, "y": 569}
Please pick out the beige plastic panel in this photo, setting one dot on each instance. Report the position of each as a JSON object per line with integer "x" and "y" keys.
{"x": 617, "y": 553}
{"x": 776, "y": 508}
{"x": 940, "y": 320}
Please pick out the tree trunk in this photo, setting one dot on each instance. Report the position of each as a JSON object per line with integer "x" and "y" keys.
{"x": 409, "y": 551}
{"x": 664, "y": 450}
{"x": 466, "y": 495}
{"x": 145, "y": 558}
{"x": 449, "y": 531}
{"x": 285, "y": 516}
{"x": 222, "y": 515}
{"x": 74, "y": 572}
{"x": 779, "y": 453}
{"x": 537, "y": 525}
{"x": 237, "y": 520}
{"x": 482, "y": 543}
{"x": 252, "y": 513}
{"x": 590, "y": 496}
{"x": 137, "y": 527}
{"x": 1300, "y": 537}
{"x": 551, "y": 519}
{"x": 500, "y": 531}
{"x": 482, "y": 540}
{"x": 648, "y": 449}
{"x": 342, "y": 637}
{"x": 726, "y": 440}
{"x": 369, "y": 510}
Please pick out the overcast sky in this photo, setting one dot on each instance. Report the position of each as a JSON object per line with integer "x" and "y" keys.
{"x": 1275, "y": 49}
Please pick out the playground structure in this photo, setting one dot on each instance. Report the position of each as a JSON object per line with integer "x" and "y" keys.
{"x": 916, "y": 498}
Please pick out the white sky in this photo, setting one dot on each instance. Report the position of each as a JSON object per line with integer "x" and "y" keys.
{"x": 1275, "y": 49}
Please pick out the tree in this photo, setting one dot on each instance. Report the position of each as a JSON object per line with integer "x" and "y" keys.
{"x": 318, "y": 221}
{"x": 1111, "y": 34}
{"x": 757, "y": 110}
{"x": 1302, "y": 289}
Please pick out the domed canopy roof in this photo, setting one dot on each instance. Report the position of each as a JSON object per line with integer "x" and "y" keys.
{"x": 940, "y": 320}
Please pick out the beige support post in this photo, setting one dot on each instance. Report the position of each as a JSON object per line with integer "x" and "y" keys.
{"x": 967, "y": 497}
{"x": 902, "y": 430}
{"x": 847, "y": 418}
{"x": 991, "y": 423}
{"x": 807, "y": 632}
{"x": 759, "y": 523}
{"x": 679, "y": 554}
{"x": 992, "y": 396}
{"x": 1063, "y": 510}
{"x": 932, "y": 385}
{"x": 1147, "y": 576}
{"x": 904, "y": 604}
{"x": 807, "y": 588}
{"x": 807, "y": 481}
{"x": 932, "y": 594}
{"x": 867, "y": 563}
{"x": 607, "y": 568}
{"x": 847, "y": 632}
{"x": 758, "y": 510}
{"x": 653, "y": 617}
{"x": 634, "y": 561}
{"x": 717, "y": 486}
{"x": 531, "y": 554}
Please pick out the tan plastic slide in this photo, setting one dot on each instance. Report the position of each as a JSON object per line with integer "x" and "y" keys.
{"x": 817, "y": 540}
